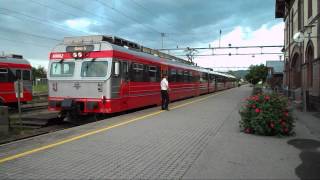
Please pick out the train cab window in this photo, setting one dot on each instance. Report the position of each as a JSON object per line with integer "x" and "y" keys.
{"x": 26, "y": 75}
{"x": 152, "y": 73}
{"x": 3, "y": 75}
{"x": 62, "y": 69}
{"x": 94, "y": 69}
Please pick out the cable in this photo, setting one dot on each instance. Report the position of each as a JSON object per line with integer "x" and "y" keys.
{"x": 29, "y": 34}
{"x": 149, "y": 12}
{"x": 230, "y": 54}
{"x": 123, "y": 14}
{"x": 41, "y": 20}
{"x": 55, "y": 9}
{"x": 24, "y": 42}
{"x": 89, "y": 12}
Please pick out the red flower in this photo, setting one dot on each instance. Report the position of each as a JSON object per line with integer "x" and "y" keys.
{"x": 283, "y": 123}
{"x": 271, "y": 125}
{"x": 286, "y": 114}
{"x": 286, "y": 130}
{"x": 247, "y": 130}
{"x": 267, "y": 97}
{"x": 254, "y": 106}
{"x": 257, "y": 110}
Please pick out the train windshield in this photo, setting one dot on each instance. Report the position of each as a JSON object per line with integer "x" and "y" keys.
{"x": 62, "y": 69}
{"x": 94, "y": 69}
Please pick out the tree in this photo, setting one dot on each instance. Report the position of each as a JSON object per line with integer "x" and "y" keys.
{"x": 39, "y": 72}
{"x": 257, "y": 73}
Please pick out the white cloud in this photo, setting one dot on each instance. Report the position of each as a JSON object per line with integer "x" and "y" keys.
{"x": 244, "y": 36}
{"x": 80, "y": 24}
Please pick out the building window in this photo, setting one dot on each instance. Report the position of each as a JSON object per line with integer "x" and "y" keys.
{"x": 309, "y": 8}
{"x": 300, "y": 15}
{"x": 291, "y": 25}
{"x": 318, "y": 7}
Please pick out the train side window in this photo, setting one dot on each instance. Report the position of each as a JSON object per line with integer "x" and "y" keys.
{"x": 114, "y": 69}
{"x": 179, "y": 75}
{"x": 173, "y": 75}
{"x": 146, "y": 73}
{"x": 152, "y": 73}
{"x": 158, "y": 75}
{"x": 190, "y": 76}
{"x": 137, "y": 72}
{"x": 26, "y": 75}
{"x": 185, "y": 76}
{"x": 18, "y": 74}
{"x": 3, "y": 75}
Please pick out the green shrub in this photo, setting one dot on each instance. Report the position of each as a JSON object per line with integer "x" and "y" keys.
{"x": 266, "y": 114}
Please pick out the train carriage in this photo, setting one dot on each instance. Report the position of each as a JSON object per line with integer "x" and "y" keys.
{"x": 12, "y": 68}
{"x": 105, "y": 74}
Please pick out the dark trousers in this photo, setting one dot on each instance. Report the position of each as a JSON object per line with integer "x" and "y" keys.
{"x": 165, "y": 99}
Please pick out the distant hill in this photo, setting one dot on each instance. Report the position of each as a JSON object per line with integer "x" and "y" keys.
{"x": 239, "y": 73}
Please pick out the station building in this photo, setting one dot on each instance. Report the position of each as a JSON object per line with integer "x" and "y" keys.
{"x": 301, "y": 49}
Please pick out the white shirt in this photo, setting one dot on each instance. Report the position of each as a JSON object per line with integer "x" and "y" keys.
{"x": 164, "y": 84}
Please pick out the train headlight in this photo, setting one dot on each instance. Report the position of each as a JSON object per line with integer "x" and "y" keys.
{"x": 75, "y": 55}
{"x": 80, "y": 54}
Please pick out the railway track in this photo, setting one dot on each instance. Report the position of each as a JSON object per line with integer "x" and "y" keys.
{"x": 29, "y": 107}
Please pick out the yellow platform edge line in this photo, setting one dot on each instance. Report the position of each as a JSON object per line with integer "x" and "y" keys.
{"x": 9, "y": 158}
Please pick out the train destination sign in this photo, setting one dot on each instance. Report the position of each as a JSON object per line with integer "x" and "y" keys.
{"x": 84, "y": 48}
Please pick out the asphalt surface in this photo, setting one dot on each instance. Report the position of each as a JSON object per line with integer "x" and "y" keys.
{"x": 198, "y": 138}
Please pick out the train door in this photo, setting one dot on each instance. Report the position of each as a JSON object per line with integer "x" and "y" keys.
{"x": 164, "y": 70}
{"x": 208, "y": 82}
{"x": 124, "y": 85}
{"x": 4, "y": 88}
{"x": 215, "y": 83}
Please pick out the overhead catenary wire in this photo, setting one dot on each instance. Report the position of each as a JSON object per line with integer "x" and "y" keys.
{"x": 24, "y": 42}
{"x": 30, "y": 34}
{"x": 40, "y": 20}
{"x": 129, "y": 17}
{"x": 88, "y": 12}
{"x": 54, "y": 9}
{"x": 123, "y": 14}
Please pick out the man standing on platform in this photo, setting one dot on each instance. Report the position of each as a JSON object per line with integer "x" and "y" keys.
{"x": 164, "y": 93}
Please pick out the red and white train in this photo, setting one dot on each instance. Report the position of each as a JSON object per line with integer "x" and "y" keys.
{"x": 12, "y": 68}
{"x": 104, "y": 74}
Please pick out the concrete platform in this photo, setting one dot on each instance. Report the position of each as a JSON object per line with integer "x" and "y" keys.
{"x": 198, "y": 138}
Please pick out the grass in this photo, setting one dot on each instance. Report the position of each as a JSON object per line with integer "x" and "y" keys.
{"x": 41, "y": 88}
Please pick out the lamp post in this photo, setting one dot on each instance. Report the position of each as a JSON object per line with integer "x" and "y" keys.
{"x": 308, "y": 30}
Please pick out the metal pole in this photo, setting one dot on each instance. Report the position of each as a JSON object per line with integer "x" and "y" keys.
{"x": 162, "y": 36}
{"x": 220, "y": 38}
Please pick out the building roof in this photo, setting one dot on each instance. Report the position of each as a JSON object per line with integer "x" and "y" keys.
{"x": 277, "y": 66}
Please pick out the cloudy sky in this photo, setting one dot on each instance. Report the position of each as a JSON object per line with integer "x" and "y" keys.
{"x": 33, "y": 27}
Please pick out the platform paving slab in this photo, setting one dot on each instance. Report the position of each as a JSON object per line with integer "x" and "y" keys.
{"x": 200, "y": 140}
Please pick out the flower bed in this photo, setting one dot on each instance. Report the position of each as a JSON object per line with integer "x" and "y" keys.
{"x": 266, "y": 114}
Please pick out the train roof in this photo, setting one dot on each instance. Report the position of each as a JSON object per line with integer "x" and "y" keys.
{"x": 13, "y": 59}
{"x": 123, "y": 45}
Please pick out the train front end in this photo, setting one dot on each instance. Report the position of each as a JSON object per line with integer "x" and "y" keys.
{"x": 79, "y": 77}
